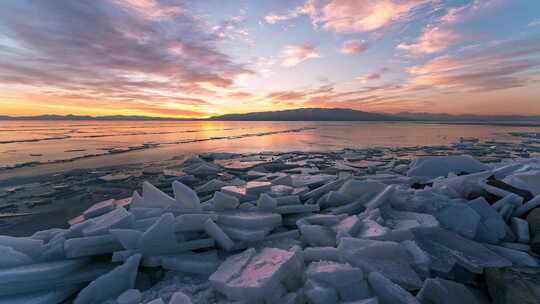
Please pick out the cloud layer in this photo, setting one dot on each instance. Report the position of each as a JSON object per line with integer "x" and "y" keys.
{"x": 121, "y": 50}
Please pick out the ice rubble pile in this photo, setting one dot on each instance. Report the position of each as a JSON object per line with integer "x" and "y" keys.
{"x": 429, "y": 237}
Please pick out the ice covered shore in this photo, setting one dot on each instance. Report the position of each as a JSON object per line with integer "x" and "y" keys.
{"x": 445, "y": 229}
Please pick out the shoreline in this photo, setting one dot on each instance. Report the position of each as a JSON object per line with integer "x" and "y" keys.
{"x": 150, "y": 152}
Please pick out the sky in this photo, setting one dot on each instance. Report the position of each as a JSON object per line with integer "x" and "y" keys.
{"x": 202, "y": 58}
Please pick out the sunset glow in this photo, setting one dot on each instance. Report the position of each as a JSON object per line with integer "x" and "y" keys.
{"x": 203, "y": 58}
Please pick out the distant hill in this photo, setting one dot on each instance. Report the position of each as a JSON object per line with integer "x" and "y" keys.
{"x": 468, "y": 117}
{"x": 312, "y": 114}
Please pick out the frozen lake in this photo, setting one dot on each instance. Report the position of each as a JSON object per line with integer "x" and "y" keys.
{"x": 94, "y": 143}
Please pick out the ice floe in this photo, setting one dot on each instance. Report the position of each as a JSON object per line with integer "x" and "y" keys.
{"x": 279, "y": 230}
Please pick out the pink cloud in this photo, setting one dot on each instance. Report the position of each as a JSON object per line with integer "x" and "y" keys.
{"x": 352, "y": 15}
{"x": 433, "y": 40}
{"x": 497, "y": 67}
{"x": 354, "y": 47}
{"x": 292, "y": 55}
{"x": 368, "y": 15}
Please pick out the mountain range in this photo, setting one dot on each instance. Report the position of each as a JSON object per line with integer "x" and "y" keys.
{"x": 303, "y": 114}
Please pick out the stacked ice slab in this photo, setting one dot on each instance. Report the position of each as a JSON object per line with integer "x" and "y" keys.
{"x": 453, "y": 230}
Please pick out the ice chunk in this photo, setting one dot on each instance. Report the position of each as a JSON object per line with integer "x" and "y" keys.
{"x": 193, "y": 222}
{"x": 321, "y": 254}
{"x": 54, "y": 250}
{"x": 28, "y": 246}
{"x": 521, "y": 230}
{"x": 99, "y": 209}
{"x": 238, "y": 192}
{"x": 381, "y": 198}
{"x": 142, "y": 213}
{"x": 47, "y": 235}
{"x": 41, "y": 271}
{"x": 118, "y": 218}
{"x": 319, "y": 294}
{"x": 316, "y": 235}
{"x": 136, "y": 199}
{"x": 205, "y": 169}
{"x": 50, "y": 275}
{"x": 511, "y": 199}
{"x": 469, "y": 254}
{"x": 130, "y": 296}
{"x": 492, "y": 226}
{"x": 266, "y": 203}
{"x": 323, "y": 219}
{"x": 91, "y": 245}
{"x": 459, "y": 218}
{"x": 160, "y": 238}
{"x": 429, "y": 167}
{"x": 527, "y": 180}
{"x": 421, "y": 260}
{"x": 389, "y": 258}
{"x": 370, "y": 229}
{"x": 224, "y": 201}
{"x": 289, "y": 209}
{"x": 320, "y": 191}
{"x": 41, "y": 297}
{"x": 356, "y": 188}
{"x": 211, "y": 186}
{"x": 285, "y": 180}
{"x": 506, "y": 211}
{"x": 112, "y": 284}
{"x": 256, "y": 187}
{"x": 180, "y": 298}
{"x": 129, "y": 238}
{"x": 185, "y": 197}
{"x": 334, "y": 199}
{"x": 252, "y": 276}
{"x": 156, "y": 301}
{"x": 218, "y": 235}
{"x": 439, "y": 291}
{"x": 243, "y": 234}
{"x": 288, "y": 200}
{"x": 403, "y": 222}
{"x": 528, "y": 206}
{"x": 388, "y": 292}
{"x": 154, "y": 198}
{"x": 203, "y": 263}
{"x": 230, "y": 270}
{"x": 10, "y": 257}
{"x": 518, "y": 258}
{"x": 347, "y": 280}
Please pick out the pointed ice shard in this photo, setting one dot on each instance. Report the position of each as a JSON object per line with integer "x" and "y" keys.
{"x": 112, "y": 284}
{"x": 185, "y": 197}
{"x": 154, "y": 198}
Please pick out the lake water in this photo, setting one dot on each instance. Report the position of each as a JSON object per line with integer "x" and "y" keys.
{"x": 95, "y": 143}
